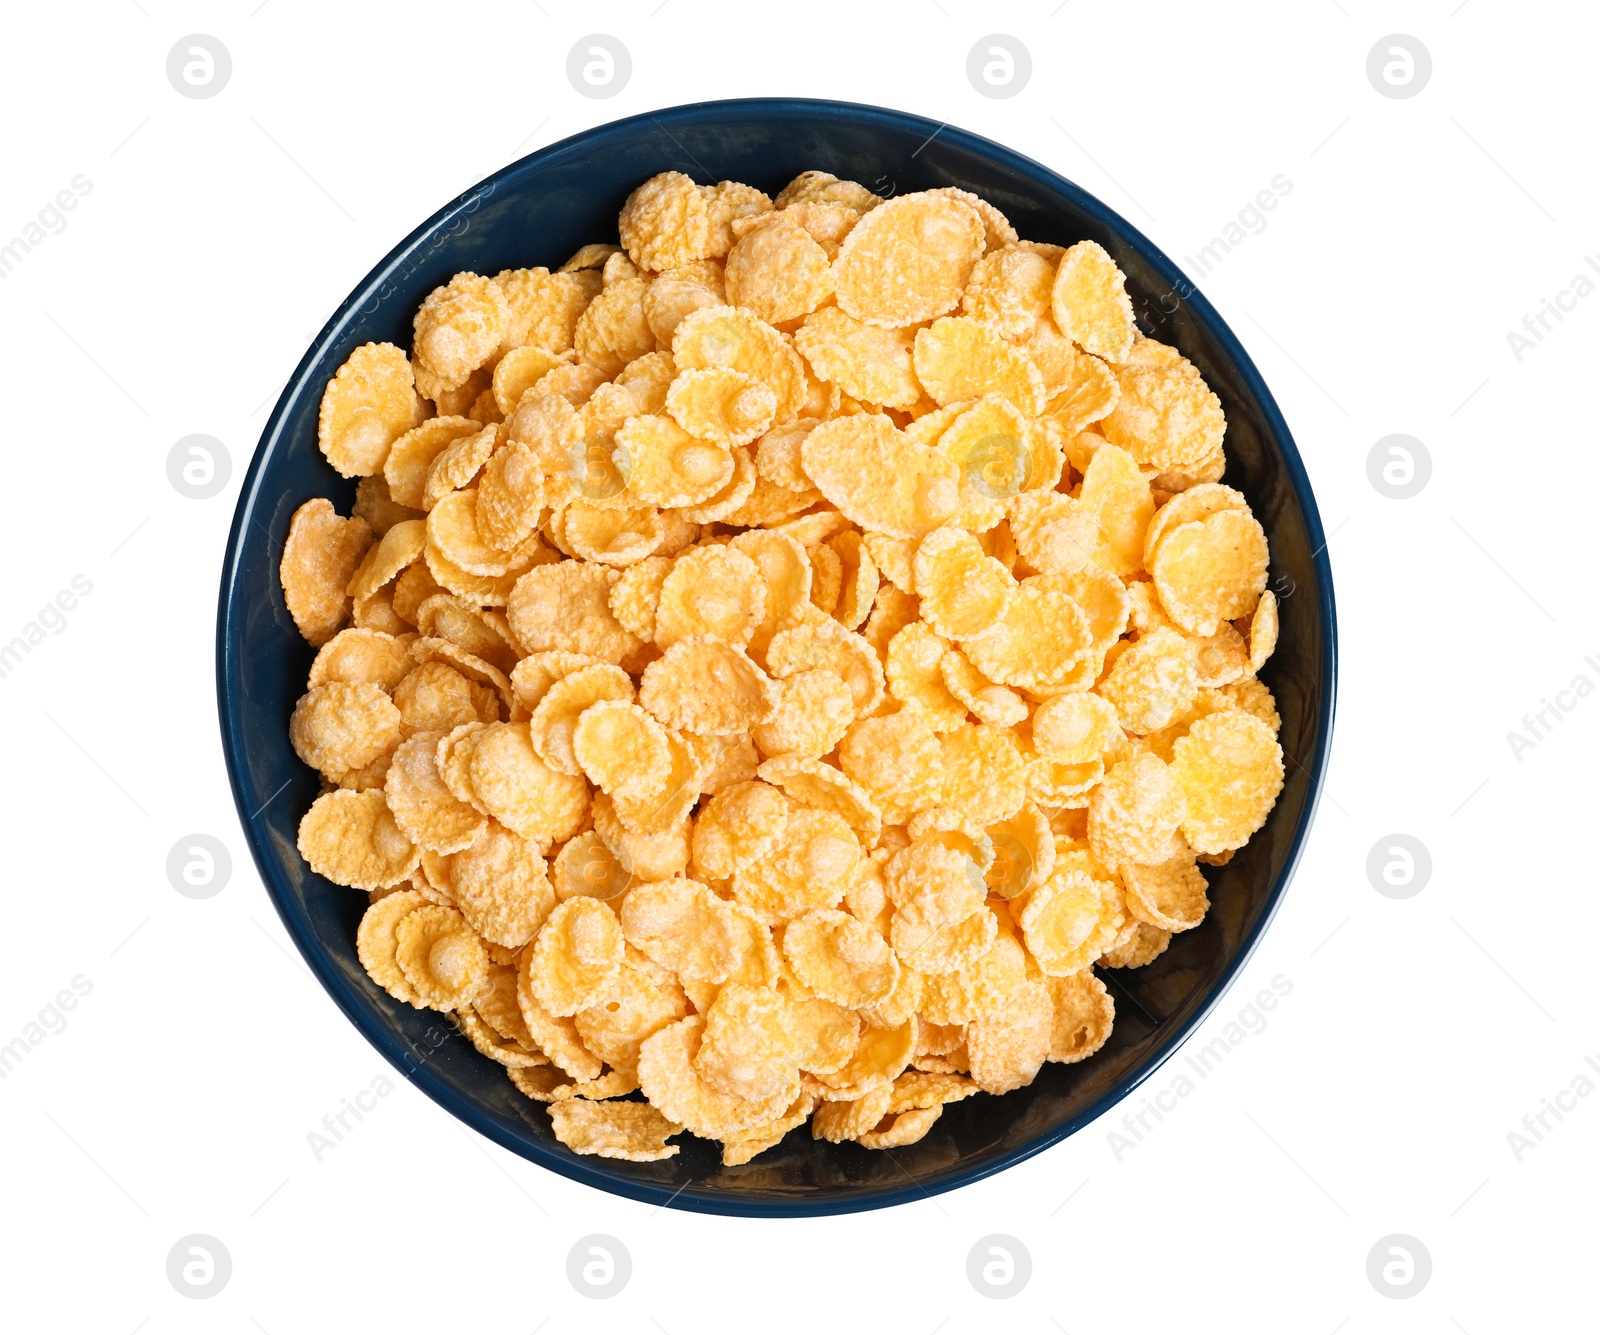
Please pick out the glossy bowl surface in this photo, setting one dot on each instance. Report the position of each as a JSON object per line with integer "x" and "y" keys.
{"x": 540, "y": 210}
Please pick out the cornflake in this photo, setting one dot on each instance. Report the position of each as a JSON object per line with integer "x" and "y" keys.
{"x": 856, "y": 558}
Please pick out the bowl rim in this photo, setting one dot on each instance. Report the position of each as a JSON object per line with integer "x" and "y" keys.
{"x": 360, "y": 1010}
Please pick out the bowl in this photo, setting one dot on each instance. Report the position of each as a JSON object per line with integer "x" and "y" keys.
{"x": 539, "y": 211}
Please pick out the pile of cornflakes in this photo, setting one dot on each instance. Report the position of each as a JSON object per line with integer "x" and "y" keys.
{"x": 773, "y": 661}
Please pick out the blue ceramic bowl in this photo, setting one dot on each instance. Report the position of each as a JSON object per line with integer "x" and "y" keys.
{"x": 540, "y": 210}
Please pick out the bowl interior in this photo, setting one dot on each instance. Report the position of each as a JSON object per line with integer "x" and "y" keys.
{"x": 539, "y": 211}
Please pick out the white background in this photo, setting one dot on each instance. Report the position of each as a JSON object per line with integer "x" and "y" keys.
{"x": 218, "y": 236}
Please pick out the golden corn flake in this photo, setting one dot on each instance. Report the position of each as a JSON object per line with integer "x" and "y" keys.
{"x": 810, "y": 868}
{"x": 985, "y": 777}
{"x": 366, "y": 407}
{"x": 778, "y": 271}
{"x": 357, "y": 655}
{"x": 1036, "y": 642}
{"x": 1118, "y": 495}
{"x": 1166, "y": 416}
{"x": 1229, "y": 768}
{"x": 908, "y": 260}
{"x": 542, "y": 309}
{"x": 1055, "y": 534}
{"x": 849, "y": 1119}
{"x": 989, "y": 441}
{"x": 684, "y": 927}
{"x": 711, "y": 591}
{"x": 576, "y": 955}
{"x": 1187, "y": 507}
{"x": 840, "y": 959}
{"x": 664, "y": 807}
{"x": 320, "y": 556}
{"x": 725, "y": 336}
{"x": 893, "y": 557}
{"x": 1009, "y": 291}
{"x": 1091, "y": 304}
{"x": 743, "y": 1146}
{"x": 988, "y": 702}
{"x": 457, "y": 464}
{"x": 1144, "y": 944}
{"x": 585, "y": 866}
{"x": 621, "y": 748}
{"x": 897, "y": 759}
{"x": 749, "y": 1047}
{"x": 814, "y": 709}
{"x": 519, "y": 371}
{"x": 1071, "y": 920}
{"x": 457, "y": 329}
{"x": 878, "y": 1060}
{"x": 958, "y": 359}
{"x": 613, "y": 329}
{"x": 667, "y": 222}
{"x": 1083, "y": 1016}
{"x": 704, "y": 685}
{"x": 670, "y": 1080}
{"x": 344, "y": 726}
{"x": 352, "y": 839}
{"x": 423, "y": 806}
{"x": 878, "y": 478}
{"x": 813, "y": 783}
{"x": 398, "y": 548}
{"x": 864, "y": 360}
{"x": 441, "y": 957}
{"x": 499, "y": 883}
{"x": 963, "y": 592}
{"x": 1084, "y": 392}
{"x": 721, "y": 405}
{"x": 1170, "y": 896}
{"x": 554, "y": 1035}
{"x": 737, "y": 827}
{"x": 566, "y": 605}
{"x": 613, "y": 1130}
{"x": 913, "y": 671}
{"x": 520, "y": 790}
{"x": 1135, "y": 812}
{"x": 1151, "y": 681}
{"x": 997, "y": 229}
{"x": 664, "y": 465}
{"x": 1211, "y": 570}
{"x": 376, "y": 944}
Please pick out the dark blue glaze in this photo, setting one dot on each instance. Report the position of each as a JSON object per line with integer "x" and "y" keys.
{"x": 540, "y": 210}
